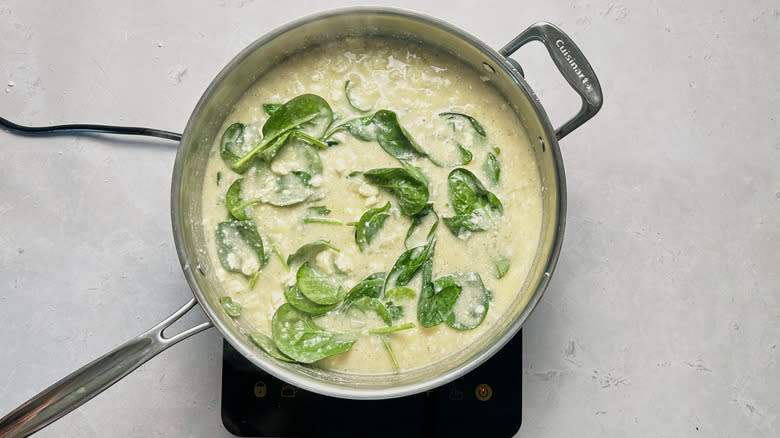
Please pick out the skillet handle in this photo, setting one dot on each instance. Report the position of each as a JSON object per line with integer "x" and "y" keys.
{"x": 572, "y": 65}
{"x": 90, "y": 380}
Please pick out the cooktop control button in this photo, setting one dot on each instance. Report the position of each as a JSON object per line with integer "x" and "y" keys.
{"x": 483, "y": 392}
{"x": 260, "y": 389}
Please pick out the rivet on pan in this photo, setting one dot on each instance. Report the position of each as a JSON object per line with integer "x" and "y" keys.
{"x": 542, "y": 143}
{"x": 488, "y": 67}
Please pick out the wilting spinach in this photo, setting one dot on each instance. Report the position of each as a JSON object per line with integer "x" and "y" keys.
{"x": 460, "y": 300}
{"x": 367, "y": 304}
{"x": 231, "y": 147}
{"x": 350, "y": 100}
{"x": 369, "y": 224}
{"x": 234, "y": 203}
{"x": 474, "y": 205}
{"x": 231, "y": 307}
{"x": 474, "y": 123}
{"x": 309, "y": 251}
{"x": 408, "y": 264}
{"x": 472, "y": 299}
{"x": 384, "y": 128}
{"x": 308, "y": 114}
{"x": 400, "y": 293}
{"x": 417, "y": 220}
{"x": 362, "y": 128}
{"x": 393, "y": 138}
{"x": 396, "y": 312}
{"x": 465, "y": 155}
{"x": 502, "y": 267}
{"x": 371, "y": 286}
{"x": 492, "y": 168}
{"x": 240, "y": 247}
{"x": 408, "y": 184}
{"x": 267, "y": 344}
{"x": 317, "y": 287}
{"x": 430, "y": 307}
{"x": 272, "y": 150}
{"x": 298, "y": 337}
{"x": 300, "y": 302}
{"x": 264, "y": 187}
{"x": 318, "y": 210}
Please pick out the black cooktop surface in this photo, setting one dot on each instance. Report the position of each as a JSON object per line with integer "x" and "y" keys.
{"x": 485, "y": 402}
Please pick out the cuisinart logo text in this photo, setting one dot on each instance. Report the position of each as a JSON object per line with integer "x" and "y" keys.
{"x": 577, "y": 70}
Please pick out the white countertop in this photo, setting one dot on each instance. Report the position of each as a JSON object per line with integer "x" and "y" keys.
{"x": 662, "y": 318}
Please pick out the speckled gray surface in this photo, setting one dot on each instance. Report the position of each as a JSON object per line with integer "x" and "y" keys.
{"x": 662, "y": 319}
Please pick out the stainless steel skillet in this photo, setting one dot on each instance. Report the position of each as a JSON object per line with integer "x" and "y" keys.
{"x": 208, "y": 116}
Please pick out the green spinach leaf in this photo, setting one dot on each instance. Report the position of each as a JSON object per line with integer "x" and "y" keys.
{"x": 492, "y": 168}
{"x": 318, "y": 210}
{"x": 430, "y": 310}
{"x": 300, "y": 302}
{"x": 396, "y": 312}
{"x": 295, "y": 138}
{"x": 502, "y": 267}
{"x": 271, "y": 108}
{"x": 268, "y": 153}
{"x": 308, "y": 251}
{"x": 474, "y": 123}
{"x": 310, "y": 113}
{"x": 400, "y": 293}
{"x": 408, "y": 264}
{"x": 298, "y": 337}
{"x": 369, "y": 224}
{"x": 307, "y": 113}
{"x": 371, "y": 286}
{"x": 408, "y": 184}
{"x": 264, "y": 187}
{"x": 384, "y": 128}
{"x": 471, "y": 303}
{"x": 231, "y": 147}
{"x": 317, "y": 287}
{"x": 233, "y": 201}
{"x": 350, "y": 101}
{"x": 368, "y": 304}
{"x": 293, "y": 188}
{"x": 231, "y": 307}
{"x": 465, "y": 155}
{"x": 314, "y": 215}
{"x": 474, "y": 205}
{"x": 362, "y": 128}
{"x": 267, "y": 344}
{"x": 240, "y": 247}
{"x": 393, "y": 138}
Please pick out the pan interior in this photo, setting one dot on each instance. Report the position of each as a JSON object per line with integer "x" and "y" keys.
{"x": 294, "y": 39}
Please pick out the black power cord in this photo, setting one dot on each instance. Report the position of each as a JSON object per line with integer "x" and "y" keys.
{"x": 85, "y": 128}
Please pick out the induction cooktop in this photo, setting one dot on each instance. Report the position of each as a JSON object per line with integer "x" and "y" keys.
{"x": 485, "y": 402}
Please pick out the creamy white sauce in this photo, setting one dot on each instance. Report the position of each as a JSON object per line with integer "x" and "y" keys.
{"x": 417, "y": 84}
